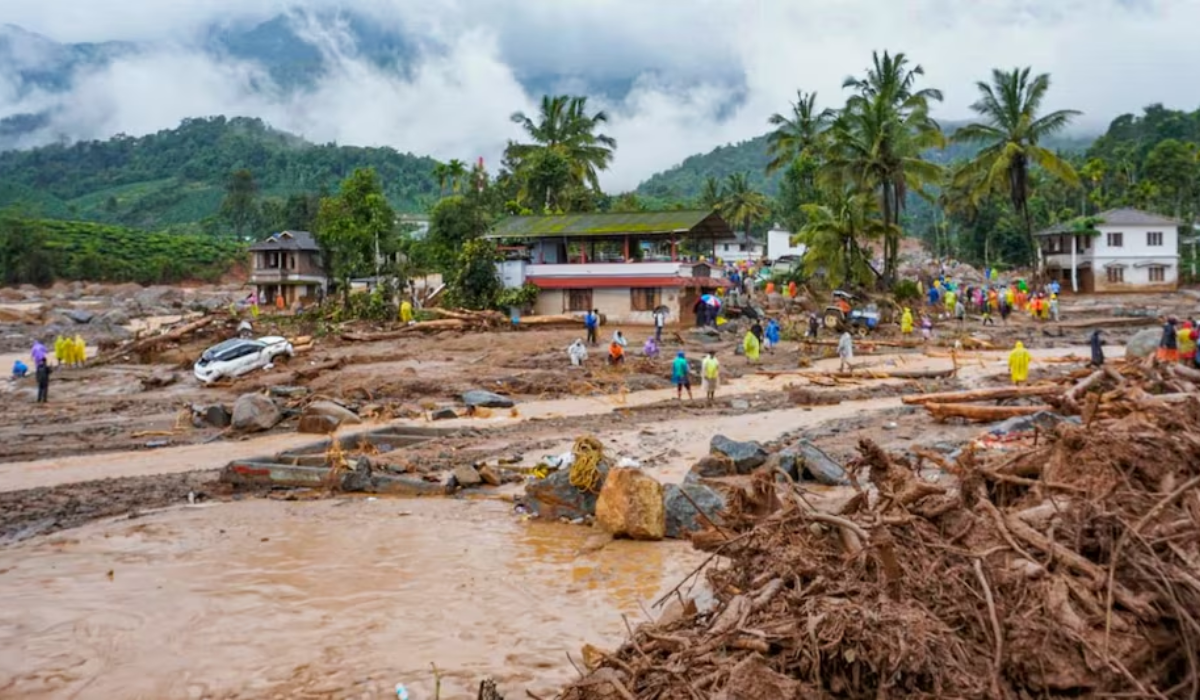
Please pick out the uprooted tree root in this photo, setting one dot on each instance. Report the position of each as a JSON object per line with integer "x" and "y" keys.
{"x": 1068, "y": 570}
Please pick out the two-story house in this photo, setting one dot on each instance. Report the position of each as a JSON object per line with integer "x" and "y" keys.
{"x": 1125, "y": 250}
{"x": 288, "y": 263}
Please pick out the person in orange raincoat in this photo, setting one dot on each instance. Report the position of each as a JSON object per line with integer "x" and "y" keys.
{"x": 1168, "y": 347}
{"x": 279, "y": 304}
{"x": 792, "y": 289}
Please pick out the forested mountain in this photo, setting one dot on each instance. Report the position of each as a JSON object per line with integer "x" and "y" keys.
{"x": 180, "y": 176}
{"x": 685, "y": 181}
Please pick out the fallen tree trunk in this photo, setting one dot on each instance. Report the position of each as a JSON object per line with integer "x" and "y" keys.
{"x": 551, "y": 320}
{"x": 993, "y": 394}
{"x": 1119, "y": 322}
{"x": 981, "y": 414}
{"x": 865, "y": 374}
{"x": 468, "y": 315}
{"x": 141, "y": 344}
{"x": 866, "y": 341}
{"x": 448, "y": 324}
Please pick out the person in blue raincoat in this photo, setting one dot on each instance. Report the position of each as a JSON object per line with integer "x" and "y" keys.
{"x": 771, "y": 335}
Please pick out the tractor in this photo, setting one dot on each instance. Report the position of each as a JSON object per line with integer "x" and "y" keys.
{"x": 844, "y": 315}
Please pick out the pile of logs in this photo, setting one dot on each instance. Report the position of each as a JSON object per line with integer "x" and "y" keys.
{"x": 460, "y": 320}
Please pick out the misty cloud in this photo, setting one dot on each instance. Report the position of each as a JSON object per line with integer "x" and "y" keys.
{"x": 692, "y": 75}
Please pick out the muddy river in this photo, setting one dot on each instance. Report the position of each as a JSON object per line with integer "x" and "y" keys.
{"x": 323, "y": 599}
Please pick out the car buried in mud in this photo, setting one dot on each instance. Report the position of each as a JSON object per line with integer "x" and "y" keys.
{"x": 239, "y": 356}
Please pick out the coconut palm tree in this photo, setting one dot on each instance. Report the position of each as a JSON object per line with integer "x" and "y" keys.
{"x": 564, "y": 127}
{"x": 877, "y": 143}
{"x": 710, "y": 194}
{"x": 456, "y": 171}
{"x": 797, "y": 134}
{"x": 742, "y": 204}
{"x": 835, "y": 235}
{"x": 441, "y": 171}
{"x": 1011, "y": 131}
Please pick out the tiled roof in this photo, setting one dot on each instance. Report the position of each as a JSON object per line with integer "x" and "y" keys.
{"x": 287, "y": 240}
{"x": 646, "y": 223}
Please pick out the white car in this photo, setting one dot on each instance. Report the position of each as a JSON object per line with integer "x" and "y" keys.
{"x": 238, "y": 356}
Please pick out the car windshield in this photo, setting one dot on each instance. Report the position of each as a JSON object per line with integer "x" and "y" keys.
{"x": 229, "y": 350}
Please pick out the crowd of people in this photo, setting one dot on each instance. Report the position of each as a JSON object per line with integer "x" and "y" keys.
{"x": 948, "y": 299}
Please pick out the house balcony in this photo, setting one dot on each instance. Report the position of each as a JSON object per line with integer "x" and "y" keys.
{"x": 261, "y": 276}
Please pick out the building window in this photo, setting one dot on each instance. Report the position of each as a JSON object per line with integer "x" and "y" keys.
{"x": 1116, "y": 275}
{"x": 579, "y": 300}
{"x": 645, "y": 299}
{"x": 1158, "y": 273}
{"x": 1116, "y": 240}
{"x": 1154, "y": 238}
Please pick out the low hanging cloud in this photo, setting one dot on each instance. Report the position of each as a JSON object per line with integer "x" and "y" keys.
{"x": 702, "y": 73}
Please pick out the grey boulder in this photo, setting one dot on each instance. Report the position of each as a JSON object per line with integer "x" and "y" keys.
{"x": 744, "y": 455}
{"x": 486, "y": 399}
{"x": 254, "y": 413}
{"x": 554, "y": 497}
{"x": 1144, "y": 343}
{"x": 818, "y": 466}
{"x": 79, "y": 315}
{"x": 682, "y": 516}
{"x": 340, "y": 414}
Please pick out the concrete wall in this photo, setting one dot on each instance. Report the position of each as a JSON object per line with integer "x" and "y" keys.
{"x": 1134, "y": 254}
{"x": 779, "y": 244}
{"x": 614, "y": 303}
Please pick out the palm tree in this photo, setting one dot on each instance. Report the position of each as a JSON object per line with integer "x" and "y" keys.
{"x": 877, "y": 143}
{"x": 798, "y": 134}
{"x": 1012, "y": 130}
{"x": 835, "y": 234}
{"x": 742, "y": 204}
{"x": 441, "y": 171}
{"x": 456, "y": 171}
{"x": 710, "y": 194}
{"x": 564, "y": 127}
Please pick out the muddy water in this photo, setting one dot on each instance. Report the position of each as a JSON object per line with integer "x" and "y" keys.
{"x": 329, "y": 599}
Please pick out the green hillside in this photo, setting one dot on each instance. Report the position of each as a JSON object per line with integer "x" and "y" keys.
{"x": 41, "y": 251}
{"x": 176, "y": 178}
{"x": 685, "y": 181}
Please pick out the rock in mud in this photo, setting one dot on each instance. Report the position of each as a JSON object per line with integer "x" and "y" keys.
{"x": 745, "y": 455}
{"x": 340, "y": 414}
{"x": 79, "y": 315}
{"x": 682, "y": 517}
{"x": 631, "y": 505}
{"x": 490, "y": 476}
{"x": 1144, "y": 343}
{"x": 404, "y": 485}
{"x": 444, "y": 414}
{"x": 477, "y": 398}
{"x": 788, "y": 461}
{"x": 819, "y": 466}
{"x": 712, "y": 466}
{"x": 211, "y": 416}
{"x": 115, "y": 317}
{"x": 554, "y": 497}
{"x": 317, "y": 424}
{"x": 287, "y": 392}
{"x": 254, "y": 413}
{"x": 466, "y": 476}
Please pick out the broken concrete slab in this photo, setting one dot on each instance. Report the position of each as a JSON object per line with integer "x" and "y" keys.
{"x": 490, "y": 476}
{"x": 478, "y": 398}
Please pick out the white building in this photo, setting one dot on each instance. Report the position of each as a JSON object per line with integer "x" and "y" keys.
{"x": 779, "y": 244}
{"x": 1127, "y": 250}
{"x": 738, "y": 248}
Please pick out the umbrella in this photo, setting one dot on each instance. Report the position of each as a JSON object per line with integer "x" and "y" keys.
{"x": 711, "y": 300}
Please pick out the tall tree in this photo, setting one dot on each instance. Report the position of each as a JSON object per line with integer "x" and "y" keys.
{"x": 355, "y": 227}
{"x": 456, "y": 171}
{"x": 741, "y": 204}
{"x": 796, "y": 134}
{"x": 711, "y": 195}
{"x": 441, "y": 172}
{"x": 878, "y": 139}
{"x": 1171, "y": 167}
{"x": 1011, "y": 132}
{"x": 240, "y": 206}
{"x": 564, "y": 128}
{"x": 835, "y": 235}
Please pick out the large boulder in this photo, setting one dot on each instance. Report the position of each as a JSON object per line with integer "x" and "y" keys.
{"x": 681, "y": 514}
{"x": 467, "y": 476}
{"x": 1144, "y": 343}
{"x": 477, "y": 398}
{"x": 115, "y": 317}
{"x": 212, "y": 416}
{"x": 631, "y": 505}
{"x": 554, "y": 497}
{"x": 340, "y": 414}
{"x": 314, "y": 424}
{"x": 254, "y": 413}
{"x": 744, "y": 455}
{"x": 818, "y": 466}
{"x": 711, "y": 466}
{"x": 79, "y": 315}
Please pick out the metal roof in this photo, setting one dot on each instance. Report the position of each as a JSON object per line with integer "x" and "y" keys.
{"x": 1113, "y": 217}
{"x": 701, "y": 223}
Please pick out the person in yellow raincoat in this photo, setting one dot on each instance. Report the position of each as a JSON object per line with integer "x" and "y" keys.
{"x": 1018, "y": 363}
{"x": 60, "y": 350}
{"x": 751, "y": 346}
{"x": 80, "y": 354}
{"x": 906, "y": 322}
{"x": 406, "y": 312}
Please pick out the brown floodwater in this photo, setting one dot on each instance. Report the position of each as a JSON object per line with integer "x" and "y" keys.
{"x": 323, "y": 599}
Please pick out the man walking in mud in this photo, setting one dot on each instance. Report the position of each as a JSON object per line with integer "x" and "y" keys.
{"x": 43, "y": 381}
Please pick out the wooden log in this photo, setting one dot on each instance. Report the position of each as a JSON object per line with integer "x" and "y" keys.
{"x": 992, "y": 394}
{"x": 981, "y": 414}
{"x": 551, "y": 320}
{"x": 425, "y": 327}
{"x": 1185, "y": 372}
{"x": 865, "y": 341}
{"x": 1110, "y": 322}
{"x": 1073, "y": 394}
{"x": 468, "y": 315}
{"x": 154, "y": 340}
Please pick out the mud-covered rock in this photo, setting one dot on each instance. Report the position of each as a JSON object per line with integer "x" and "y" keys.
{"x": 818, "y": 466}
{"x": 211, "y": 416}
{"x": 79, "y": 315}
{"x": 314, "y": 424}
{"x": 477, "y": 398}
{"x": 254, "y": 413}
{"x": 490, "y": 476}
{"x": 340, "y": 414}
{"x": 712, "y": 466}
{"x": 681, "y": 514}
{"x": 745, "y": 455}
{"x": 631, "y": 505}
{"x": 443, "y": 414}
{"x": 467, "y": 476}
{"x": 1144, "y": 343}
{"x": 554, "y": 497}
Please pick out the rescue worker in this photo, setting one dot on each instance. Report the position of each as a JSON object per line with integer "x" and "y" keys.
{"x": 845, "y": 351}
{"x": 592, "y": 322}
{"x": 1187, "y": 346}
{"x": 43, "y": 381}
{"x": 710, "y": 376}
{"x": 1097, "y": 350}
{"x": 616, "y": 353}
{"x": 406, "y": 312}
{"x": 60, "y": 350}
{"x": 772, "y": 334}
{"x": 577, "y": 352}
{"x": 650, "y": 348}
{"x": 906, "y": 322}
{"x": 751, "y": 346}
{"x": 679, "y": 376}
{"x": 1168, "y": 347}
{"x": 1054, "y": 307}
{"x": 80, "y": 354}
{"x": 1018, "y": 363}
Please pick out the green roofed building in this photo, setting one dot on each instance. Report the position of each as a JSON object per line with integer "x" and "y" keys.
{"x": 624, "y": 265}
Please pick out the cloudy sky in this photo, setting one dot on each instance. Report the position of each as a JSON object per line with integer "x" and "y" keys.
{"x": 704, "y": 72}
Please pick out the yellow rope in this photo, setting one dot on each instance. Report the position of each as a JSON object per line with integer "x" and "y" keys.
{"x": 585, "y": 473}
